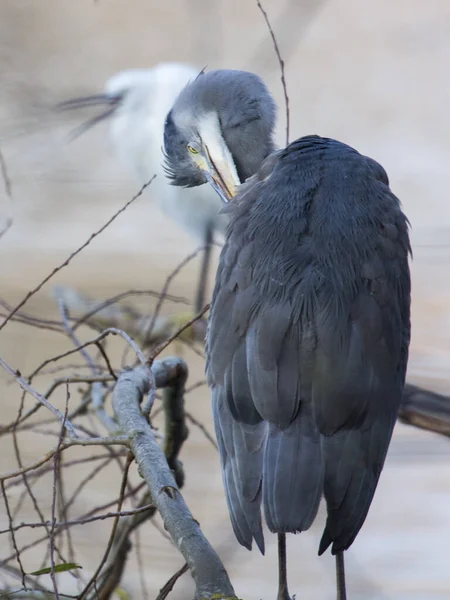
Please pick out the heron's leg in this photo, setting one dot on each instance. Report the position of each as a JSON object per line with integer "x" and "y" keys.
{"x": 340, "y": 577}
{"x": 200, "y": 299}
{"x": 283, "y": 593}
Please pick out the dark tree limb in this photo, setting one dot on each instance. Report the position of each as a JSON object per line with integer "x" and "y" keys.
{"x": 207, "y": 570}
{"x": 425, "y": 409}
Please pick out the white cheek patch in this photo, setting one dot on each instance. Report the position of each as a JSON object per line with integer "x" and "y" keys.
{"x": 209, "y": 130}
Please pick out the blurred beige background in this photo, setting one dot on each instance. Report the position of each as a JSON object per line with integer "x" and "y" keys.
{"x": 374, "y": 75}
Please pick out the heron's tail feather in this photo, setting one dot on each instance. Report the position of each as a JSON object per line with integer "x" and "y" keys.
{"x": 241, "y": 449}
{"x": 353, "y": 463}
{"x": 292, "y": 475}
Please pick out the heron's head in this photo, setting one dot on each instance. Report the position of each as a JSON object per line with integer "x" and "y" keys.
{"x": 219, "y": 130}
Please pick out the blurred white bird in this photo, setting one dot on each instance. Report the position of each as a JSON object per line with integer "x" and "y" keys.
{"x": 138, "y": 101}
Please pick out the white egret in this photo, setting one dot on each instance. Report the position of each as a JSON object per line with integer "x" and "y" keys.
{"x": 137, "y": 102}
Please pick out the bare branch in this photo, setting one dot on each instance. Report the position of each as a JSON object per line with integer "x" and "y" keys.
{"x": 206, "y": 568}
{"x": 281, "y": 63}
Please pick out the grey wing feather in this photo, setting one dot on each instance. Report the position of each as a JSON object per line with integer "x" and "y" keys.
{"x": 354, "y": 460}
{"x": 359, "y": 379}
{"x": 241, "y": 454}
{"x": 292, "y": 475}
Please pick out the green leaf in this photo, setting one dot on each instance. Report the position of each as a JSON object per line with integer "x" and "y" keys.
{"x": 58, "y": 569}
{"x": 123, "y": 594}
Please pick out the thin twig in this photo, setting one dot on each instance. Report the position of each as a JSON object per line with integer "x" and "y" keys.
{"x": 8, "y": 190}
{"x": 106, "y": 359}
{"x": 63, "y": 514}
{"x": 73, "y": 254}
{"x": 31, "y": 318}
{"x": 5, "y": 176}
{"x": 81, "y": 521}
{"x": 26, "y": 387}
{"x": 87, "y": 479}
{"x": 281, "y": 63}
{"x": 98, "y": 404}
{"x": 167, "y": 283}
{"x": 91, "y": 342}
{"x": 168, "y": 587}
{"x": 114, "y": 299}
{"x": 69, "y": 463}
{"x": 120, "y": 440}
{"x": 63, "y": 380}
{"x": 13, "y": 537}
{"x": 73, "y": 336}
{"x": 91, "y": 512}
{"x": 54, "y": 496}
{"x": 140, "y": 563}
{"x": 7, "y": 226}
{"x": 202, "y": 428}
{"x": 18, "y": 318}
{"x": 93, "y": 579}
{"x": 28, "y": 490}
{"x": 129, "y": 340}
{"x": 179, "y": 331}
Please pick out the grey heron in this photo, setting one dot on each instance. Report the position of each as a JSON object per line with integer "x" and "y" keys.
{"x": 137, "y": 102}
{"x": 309, "y": 327}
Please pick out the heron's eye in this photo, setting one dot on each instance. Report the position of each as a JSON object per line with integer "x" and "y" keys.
{"x": 192, "y": 150}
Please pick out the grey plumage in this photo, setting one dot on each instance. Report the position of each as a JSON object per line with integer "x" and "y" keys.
{"x": 309, "y": 331}
{"x": 324, "y": 327}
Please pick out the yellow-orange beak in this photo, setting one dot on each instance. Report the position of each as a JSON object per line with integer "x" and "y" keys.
{"x": 221, "y": 175}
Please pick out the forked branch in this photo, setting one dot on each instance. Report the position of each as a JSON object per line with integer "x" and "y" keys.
{"x": 210, "y": 576}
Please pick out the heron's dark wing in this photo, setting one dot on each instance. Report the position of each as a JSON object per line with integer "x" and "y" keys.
{"x": 362, "y": 346}
{"x": 254, "y": 354}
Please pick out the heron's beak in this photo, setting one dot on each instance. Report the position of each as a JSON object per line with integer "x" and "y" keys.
{"x": 221, "y": 175}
